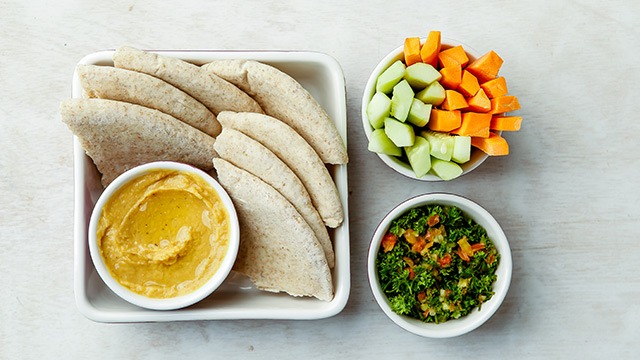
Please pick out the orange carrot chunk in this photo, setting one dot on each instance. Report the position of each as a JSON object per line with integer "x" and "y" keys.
{"x": 479, "y": 102}
{"x": 504, "y": 103}
{"x": 506, "y": 123}
{"x": 451, "y": 77}
{"x": 494, "y": 145}
{"x": 412, "y": 50}
{"x": 486, "y": 67}
{"x": 469, "y": 85}
{"x": 474, "y": 125}
{"x": 453, "y": 100}
{"x": 431, "y": 49}
{"x": 444, "y": 120}
{"x": 453, "y": 56}
{"x": 496, "y": 87}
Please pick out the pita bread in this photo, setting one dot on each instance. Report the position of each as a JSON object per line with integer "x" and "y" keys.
{"x": 282, "y": 97}
{"x": 119, "y": 136}
{"x": 248, "y": 154}
{"x": 278, "y": 250}
{"x": 107, "y": 82}
{"x": 294, "y": 151}
{"x": 214, "y": 92}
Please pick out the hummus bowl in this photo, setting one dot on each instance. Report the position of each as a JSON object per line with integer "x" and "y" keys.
{"x": 236, "y": 297}
{"x": 164, "y": 235}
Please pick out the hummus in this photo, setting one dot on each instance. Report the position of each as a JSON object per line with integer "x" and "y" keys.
{"x": 164, "y": 234}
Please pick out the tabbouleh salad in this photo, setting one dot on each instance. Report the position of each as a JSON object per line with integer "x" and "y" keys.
{"x": 436, "y": 264}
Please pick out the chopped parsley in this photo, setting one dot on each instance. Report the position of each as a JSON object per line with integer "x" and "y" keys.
{"x": 436, "y": 264}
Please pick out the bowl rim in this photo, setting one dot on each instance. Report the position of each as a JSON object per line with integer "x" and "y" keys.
{"x": 472, "y": 321}
{"x": 369, "y": 90}
{"x": 176, "y": 302}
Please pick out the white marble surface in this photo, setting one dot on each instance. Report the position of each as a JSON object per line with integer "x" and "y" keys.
{"x": 567, "y": 196}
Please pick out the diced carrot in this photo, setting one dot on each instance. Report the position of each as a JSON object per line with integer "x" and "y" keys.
{"x": 496, "y": 87}
{"x": 479, "y": 102}
{"x": 431, "y": 49}
{"x": 486, "y": 67}
{"x": 469, "y": 85}
{"x": 453, "y": 100}
{"x": 505, "y": 103}
{"x": 453, "y": 56}
{"x": 412, "y": 50}
{"x": 444, "y": 120}
{"x": 451, "y": 77}
{"x": 494, "y": 145}
{"x": 506, "y": 123}
{"x": 474, "y": 124}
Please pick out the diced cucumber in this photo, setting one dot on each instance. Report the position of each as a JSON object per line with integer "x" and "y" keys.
{"x": 432, "y": 94}
{"x": 420, "y": 75}
{"x": 461, "y": 149}
{"x": 401, "y": 100}
{"x": 390, "y": 77}
{"x": 419, "y": 113}
{"x": 446, "y": 170}
{"x": 378, "y": 109}
{"x": 400, "y": 133}
{"x": 419, "y": 157}
{"x": 380, "y": 143}
{"x": 441, "y": 144}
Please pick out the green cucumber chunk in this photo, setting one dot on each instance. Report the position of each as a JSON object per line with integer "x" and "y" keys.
{"x": 390, "y": 77}
{"x": 419, "y": 156}
{"x": 401, "y": 100}
{"x": 380, "y": 143}
{"x": 378, "y": 109}
{"x": 400, "y": 133}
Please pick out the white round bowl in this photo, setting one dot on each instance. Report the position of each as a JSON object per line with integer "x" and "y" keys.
{"x": 477, "y": 317}
{"x": 477, "y": 156}
{"x": 173, "y": 302}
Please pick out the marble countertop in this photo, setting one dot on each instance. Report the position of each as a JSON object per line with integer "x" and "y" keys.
{"x": 567, "y": 196}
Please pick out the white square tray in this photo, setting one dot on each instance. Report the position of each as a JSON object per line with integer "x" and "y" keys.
{"x": 237, "y": 298}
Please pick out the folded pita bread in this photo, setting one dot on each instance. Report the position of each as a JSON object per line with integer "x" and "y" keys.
{"x": 215, "y": 93}
{"x": 294, "y": 151}
{"x": 119, "y": 136}
{"x": 282, "y": 97}
{"x": 248, "y": 154}
{"x": 278, "y": 250}
{"x": 107, "y": 82}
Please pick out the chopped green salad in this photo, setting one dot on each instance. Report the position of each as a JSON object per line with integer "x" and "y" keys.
{"x": 436, "y": 264}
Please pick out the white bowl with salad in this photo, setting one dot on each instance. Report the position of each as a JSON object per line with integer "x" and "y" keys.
{"x": 439, "y": 265}
{"x": 415, "y": 112}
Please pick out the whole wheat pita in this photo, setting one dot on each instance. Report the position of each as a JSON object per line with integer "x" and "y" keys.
{"x": 278, "y": 250}
{"x": 119, "y": 136}
{"x": 282, "y": 97}
{"x": 107, "y": 82}
{"x": 294, "y": 151}
{"x": 248, "y": 154}
{"x": 214, "y": 92}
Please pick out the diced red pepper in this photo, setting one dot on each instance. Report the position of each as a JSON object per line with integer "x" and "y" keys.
{"x": 462, "y": 255}
{"x": 419, "y": 245}
{"x": 445, "y": 260}
{"x": 388, "y": 242}
{"x": 412, "y": 274}
{"x": 433, "y": 220}
{"x": 477, "y": 247}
